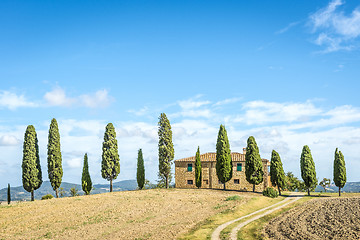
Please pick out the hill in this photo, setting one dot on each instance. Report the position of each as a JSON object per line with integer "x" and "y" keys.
{"x": 349, "y": 187}
{"x": 19, "y": 194}
{"x": 143, "y": 214}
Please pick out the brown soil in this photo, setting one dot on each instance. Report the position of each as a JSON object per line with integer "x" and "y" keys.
{"x": 146, "y": 214}
{"x": 326, "y": 218}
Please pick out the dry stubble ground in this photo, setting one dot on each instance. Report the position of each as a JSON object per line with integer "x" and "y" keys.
{"x": 147, "y": 214}
{"x": 325, "y": 218}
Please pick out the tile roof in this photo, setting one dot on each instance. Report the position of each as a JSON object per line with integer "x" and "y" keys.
{"x": 211, "y": 157}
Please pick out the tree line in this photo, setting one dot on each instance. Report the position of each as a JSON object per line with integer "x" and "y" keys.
{"x": 254, "y": 168}
{"x": 110, "y": 165}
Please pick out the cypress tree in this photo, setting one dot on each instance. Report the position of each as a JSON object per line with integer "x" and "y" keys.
{"x": 8, "y": 194}
{"x": 198, "y": 177}
{"x": 110, "y": 165}
{"x": 253, "y": 164}
{"x": 166, "y": 148}
{"x": 55, "y": 170}
{"x": 277, "y": 175}
{"x": 339, "y": 170}
{"x": 140, "y": 173}
{"x": 307, "y": 165}
{"x": 86, "y": 183}
{"x": 224, "y": 169}
{"x": 31, "y": 169}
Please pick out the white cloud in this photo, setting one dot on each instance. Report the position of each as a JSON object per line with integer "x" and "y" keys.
{"x": 227, "y": 101}
{"x": 9, "y": 140}
{"x": 12, "y": 101}
{"x": 99, "y": 99}
{"x": 141, "y": 112}
{"x": 191, "y": 104}
{"x": 336, "y": 30}
{"x": 74, "y": 162}
{"x": 261, "y": 112}
{"x": 287, "y": 28}
{"x": 57, "y": 97}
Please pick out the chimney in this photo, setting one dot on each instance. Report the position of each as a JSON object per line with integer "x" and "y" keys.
{"x": 244, "y": 150}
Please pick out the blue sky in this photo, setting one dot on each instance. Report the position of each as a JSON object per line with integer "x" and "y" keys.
{"x": 285, "y": 72}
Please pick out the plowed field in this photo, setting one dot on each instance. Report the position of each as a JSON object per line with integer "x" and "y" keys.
{"x": 325, "y": 218}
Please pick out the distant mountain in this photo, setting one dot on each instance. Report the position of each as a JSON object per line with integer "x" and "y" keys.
{"x": 349, "y": 187}
{"x": 19, "y": 193}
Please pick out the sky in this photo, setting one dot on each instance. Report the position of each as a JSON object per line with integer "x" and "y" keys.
{"x": 285, "y": 72}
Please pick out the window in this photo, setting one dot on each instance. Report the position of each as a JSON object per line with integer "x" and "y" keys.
{"x": 206, "y": 181}
{"x": 239, "y": 167}
{"x": 190, "y": 167}
{"x": 190, "y": 182}
{"x": 268, "y": 169}
{"x": 236, "y": 181}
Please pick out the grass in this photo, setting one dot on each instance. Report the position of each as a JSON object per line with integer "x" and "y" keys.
{"x": 233, "y": 198}
{"x": 148, "y": 214}
{"x": 246, "y": 205}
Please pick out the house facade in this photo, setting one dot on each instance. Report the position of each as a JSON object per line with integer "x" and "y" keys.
{"x": 185, "y": 173}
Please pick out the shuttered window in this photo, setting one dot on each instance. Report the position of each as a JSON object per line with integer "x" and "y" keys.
{"x": 190, "y": 167}
{"x": 239, "y": 167}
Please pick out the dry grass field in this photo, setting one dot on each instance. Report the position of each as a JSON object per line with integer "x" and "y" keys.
{"x": 147, "y": 214}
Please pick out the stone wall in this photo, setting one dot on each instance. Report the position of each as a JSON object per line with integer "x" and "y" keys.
{"x": 210, "y": 179}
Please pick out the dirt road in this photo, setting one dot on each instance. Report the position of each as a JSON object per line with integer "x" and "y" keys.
{"x": 286, "y": 201}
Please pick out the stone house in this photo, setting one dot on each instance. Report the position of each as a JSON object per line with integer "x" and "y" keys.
{"x": 185, "y": 173}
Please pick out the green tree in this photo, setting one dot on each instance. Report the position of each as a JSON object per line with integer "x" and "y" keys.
{"x": 277, "y": 175}
{"x": 224, "y": 168}
{"x": 8, "y": 194}
{"x": 110, "y": 165}
{"x": 325, "y": 183}
{"x": 31, "y": 169}
{"x": 140, "y": 173}
{"x": 86, "y": 183}
{"x": 55, "y": 170}
{"x": 253, "y": 164}
{"x": 73, "y": 192}
{"x": 339, "y": 170}
{"x": 307, "y": 166}
{"x": 62, "y": 192}
{"x": 198, "y": 177}
{"x": 166, "y": 149}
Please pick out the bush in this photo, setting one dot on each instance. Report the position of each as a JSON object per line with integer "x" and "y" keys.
{"x": 47, "y": 196}
{"x": 232, "y": 198}
{"x": 270, "y": 192}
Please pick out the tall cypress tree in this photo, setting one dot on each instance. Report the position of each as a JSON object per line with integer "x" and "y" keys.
{"x": 110, "y": 165}
{"x": 307, "y": 166}
{"x": 55, "y": 170}
{"x": 339, "y": 170}
{"x": 198, "y": 177}
{"x": 166, "y": 148}
{"x": 86, "y": 183}
{"x": 277, "y": 175}
{"x": 31, "y": 169}
{"x": 224, "y": 169}
{"x": 140, "y": 173}
{"x": 8, "y": 194}
{"x": 253, "y": 164}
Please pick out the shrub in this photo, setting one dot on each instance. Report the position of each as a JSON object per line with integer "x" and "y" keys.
{"x": 47, "y": 196}
{"x": 73, "y": 192}
{"x": 232, "y": 198}
{"x": 270, "y": 192}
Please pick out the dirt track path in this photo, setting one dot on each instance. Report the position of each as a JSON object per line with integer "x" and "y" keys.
{"x": 233, "y": 236}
